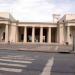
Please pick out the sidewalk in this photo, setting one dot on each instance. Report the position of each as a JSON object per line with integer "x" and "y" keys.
{"x": 36, "y": 47}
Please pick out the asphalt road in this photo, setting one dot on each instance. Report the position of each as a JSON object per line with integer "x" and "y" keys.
{"x": 36, "y": 63}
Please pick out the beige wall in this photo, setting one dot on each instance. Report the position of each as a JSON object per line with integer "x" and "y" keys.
{"x": 67, "y": 17}
{"x": 37, "y": 25}
{"x": 12, "y": 32}
{"x": 70, "y": 16}
{"x": 4, "y": 14}
{"x": 7, "y": 15}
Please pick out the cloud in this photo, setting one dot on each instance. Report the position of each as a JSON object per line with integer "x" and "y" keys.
{"x": 7, "y": 1}
{"x": 32, "y": 10}
{"x": 36, "y": 10}
{"x": 5, "y": 5}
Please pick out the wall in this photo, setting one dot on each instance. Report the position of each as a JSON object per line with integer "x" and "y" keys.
{"x": 12, "y": 33}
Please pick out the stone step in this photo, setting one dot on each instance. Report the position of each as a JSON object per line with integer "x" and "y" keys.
{"x": 37, "y": 47}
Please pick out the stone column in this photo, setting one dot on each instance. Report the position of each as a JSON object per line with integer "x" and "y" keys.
{"x": 61, "y": 34}
{"x": 33, "y": 34}
{"x": 41, "y": 35}
{"x": 16, "y": 34}
{"x": 6, "y": 33}
{"x": 68, "y": 34}
{"x": 25, "y": 34}
{"x": 49, "y": 35}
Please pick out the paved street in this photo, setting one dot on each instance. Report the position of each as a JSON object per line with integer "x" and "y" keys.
{"x": 36, "y": 63}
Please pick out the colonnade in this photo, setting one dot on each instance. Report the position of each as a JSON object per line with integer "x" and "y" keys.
{"x": 41, "y": 34}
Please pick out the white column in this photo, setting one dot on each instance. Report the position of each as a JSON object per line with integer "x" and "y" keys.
{"x": 33, "y": 34}
{"x": 41, "y": 34}
{"x": 68, "y": 34}
{"x": 61, "y": 34}
{"x": 49, "y": 35}
{"x": 16, "y": 34}
{"x": 6, "y": 33}
{"x": 25, "y": 34}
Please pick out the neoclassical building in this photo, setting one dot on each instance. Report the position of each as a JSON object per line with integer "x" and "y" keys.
{"x": 61, "y": 30}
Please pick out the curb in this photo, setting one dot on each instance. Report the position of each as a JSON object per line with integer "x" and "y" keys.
{"x": 44, "y": 51}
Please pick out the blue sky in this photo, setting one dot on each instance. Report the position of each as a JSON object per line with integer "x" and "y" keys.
{"x": 37, "y": 10}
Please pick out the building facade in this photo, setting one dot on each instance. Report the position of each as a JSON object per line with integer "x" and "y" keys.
{"x": 61, "y": 30}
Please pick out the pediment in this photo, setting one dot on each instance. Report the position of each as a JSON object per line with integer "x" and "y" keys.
{"x": 72, "y": 20}
{"x": 3, "y": 18}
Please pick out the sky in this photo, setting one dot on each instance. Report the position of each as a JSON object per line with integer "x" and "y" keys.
{"x": 37, "y": 10}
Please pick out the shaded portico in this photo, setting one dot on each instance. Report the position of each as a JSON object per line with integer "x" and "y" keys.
{"x": 37, "y": 34}
{"x": 67, "y": 32}
{"x": 4, "y": 37}
{"x": 70, "y": 34}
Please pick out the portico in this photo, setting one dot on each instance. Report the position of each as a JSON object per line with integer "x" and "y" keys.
{"x": 59, "y": 31}
{"x": 36, "y": 35}
{"x": 4, "y": 33}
